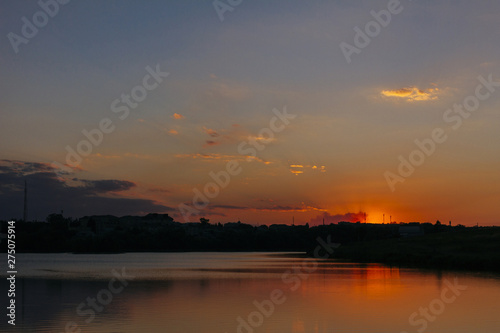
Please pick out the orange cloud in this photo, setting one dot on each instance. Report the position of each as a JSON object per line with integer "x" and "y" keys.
{"x": 99, "y": 155}
{"x": 298, "y": 169}
{"x": 177, "y": 116}
{"x": 255, "y": 158}
{"x": 211, "y": 132}
{"x": 412, "y": 94}
{"x": 204, "y": 156}
{"x": 222, "y": 157}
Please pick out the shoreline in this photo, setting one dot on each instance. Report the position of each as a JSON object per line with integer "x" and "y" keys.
{"x": 467, "y": 251}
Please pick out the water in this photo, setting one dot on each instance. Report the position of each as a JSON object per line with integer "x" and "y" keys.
{"x": 245, "y": 293}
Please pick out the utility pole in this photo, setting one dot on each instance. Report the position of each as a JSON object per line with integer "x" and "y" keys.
{"x": 25, "y": 214}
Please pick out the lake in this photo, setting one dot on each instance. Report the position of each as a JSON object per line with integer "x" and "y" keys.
{"x": 243, "y": 293}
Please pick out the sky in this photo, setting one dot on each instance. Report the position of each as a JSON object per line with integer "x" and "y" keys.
{"x": 255, "y": 111}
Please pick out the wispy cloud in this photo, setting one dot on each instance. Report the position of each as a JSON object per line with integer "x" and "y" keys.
{"x": 222, "y": 157}
{"x": 289, "y": 208}
{"x": 412, "y": 94}
{"x": 230, "y": 91}
{"x": 177, "y": 116}
{"x": 274, "y": 208}
{"x": 211, "y": 132}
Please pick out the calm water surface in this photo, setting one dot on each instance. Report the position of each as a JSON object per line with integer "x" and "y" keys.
{"x": 222, "y": 292}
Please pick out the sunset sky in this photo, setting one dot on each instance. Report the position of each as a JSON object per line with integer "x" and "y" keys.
{"x": 228, "y": 80}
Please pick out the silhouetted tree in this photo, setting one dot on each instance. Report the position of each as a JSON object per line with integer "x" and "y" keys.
{"x": 57, "y": 221}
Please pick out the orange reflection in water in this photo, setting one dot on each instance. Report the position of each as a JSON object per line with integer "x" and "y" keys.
{"x": 336, "y": 297}
{"x": 379, "y": 282}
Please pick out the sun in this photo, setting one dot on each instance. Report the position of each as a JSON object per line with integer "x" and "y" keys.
{"x": 376, "y": 216}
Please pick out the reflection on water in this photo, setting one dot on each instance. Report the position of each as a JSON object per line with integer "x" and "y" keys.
{"x": 234, "y": 292}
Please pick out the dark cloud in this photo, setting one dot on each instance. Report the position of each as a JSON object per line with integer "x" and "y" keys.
{"x": 210, "y": 143}
{"x": 349, "y": 217}
{"x": 48, "y": 193}
{"x": 281, "y": 208}
{"x": 229, "y": 207}
{"x": 24, "y": 167}
{"x": 277, "y": 208}
{"x": 108, "y": 185}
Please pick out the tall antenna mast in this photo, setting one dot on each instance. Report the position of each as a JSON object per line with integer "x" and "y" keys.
{"x": 25, "y": 215}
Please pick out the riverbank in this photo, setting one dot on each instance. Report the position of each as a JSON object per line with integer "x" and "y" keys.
{"x": 472, "y": 249}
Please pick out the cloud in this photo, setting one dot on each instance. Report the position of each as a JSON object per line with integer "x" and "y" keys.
{"x": 263, "y": 139}
{"x": 20, "y": 167}
{"x": 177, "y": 116}
{"x": 229, "y": 91}
{"x": 159, "y": 190}
{"x": 221, "y": 209}
{"x": 288, "y": 208}
{"x": 223, "y": 136}
{"x": 255, "y": 158}
{"x": 487, "y": 64}
{"x": 99, "y": 155}
{"x": 298, "y": 169}
{"x": 412, "y": 94}
{"x": 106, "y": 186}
{"x": 211, "y": 132}
{"x": 349, "y": 217}
{"x": 273, "y": 208}
{"x": 222, "y": 157}
{"x": 209, "y": 143}
{"x": 49, "y": 193}
{"x": 230, "y": 207}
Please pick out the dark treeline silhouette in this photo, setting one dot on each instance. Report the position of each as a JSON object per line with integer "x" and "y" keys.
{"x": 159, "y": 232}
{"x": 405, "y": 244}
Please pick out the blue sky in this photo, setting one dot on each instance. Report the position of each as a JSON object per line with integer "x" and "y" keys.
{"x": 227, "y": 77}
